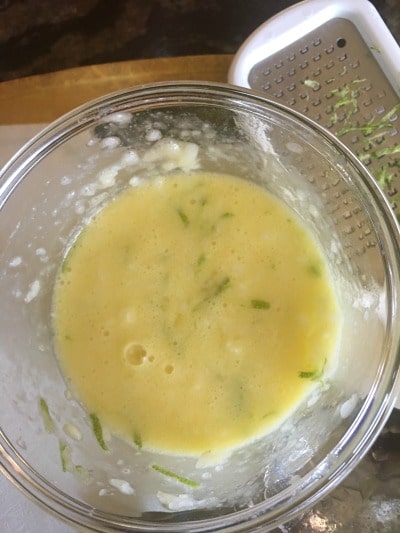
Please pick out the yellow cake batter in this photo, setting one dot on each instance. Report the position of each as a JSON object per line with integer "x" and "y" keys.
{"x": 193, "y": 313}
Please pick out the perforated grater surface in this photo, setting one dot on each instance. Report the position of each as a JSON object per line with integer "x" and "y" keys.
{"x": 338, "y": 64}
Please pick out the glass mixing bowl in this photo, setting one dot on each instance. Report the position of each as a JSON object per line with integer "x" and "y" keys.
{"x": 75, "y": 166}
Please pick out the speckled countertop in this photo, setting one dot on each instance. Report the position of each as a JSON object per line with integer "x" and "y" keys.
{"x": 38, "y": 36}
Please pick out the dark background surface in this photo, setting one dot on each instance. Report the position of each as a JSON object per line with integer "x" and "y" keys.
{"x": 39, "y": 36}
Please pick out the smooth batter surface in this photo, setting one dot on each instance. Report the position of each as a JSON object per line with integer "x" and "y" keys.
{"x": 193, "y": 313}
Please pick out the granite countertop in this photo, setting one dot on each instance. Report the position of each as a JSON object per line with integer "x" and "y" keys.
{"x": 39, "y": 36}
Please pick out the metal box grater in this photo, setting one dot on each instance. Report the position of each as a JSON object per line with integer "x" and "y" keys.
{"x": 332, "y": 75}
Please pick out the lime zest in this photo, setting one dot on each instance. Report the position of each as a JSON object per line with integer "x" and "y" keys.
{"x": 200, "y": 259}
{"x": 384, "y": 176}
{"x": 65, "y": 456}
{"x": 222, "y": 286}
{"x": 98, "y": 431}
{"x": 260, "y": 304}
{"x": 183, "y": 216}
{"x": 67, "y": 464}
{"x": 314, "y": 375}
{"x": 309, "y": 375}
{"x": 81, "y": 469}
{"x": 388, "y": 150}
{"x": 174, "y": 475}
{"x": 137, "y": 439}
{"x": 47, "y": 419}
{"x": 372, "y": 133}
{"x": 215, "y": 291}
{"x": 268, "y": 414}
{"x": 314, "y": 269}
{"x": 313, "y": 84}
{"x": 345, "y": 96}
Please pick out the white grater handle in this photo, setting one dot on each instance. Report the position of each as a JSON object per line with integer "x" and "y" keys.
{"x": 294, "y": 22}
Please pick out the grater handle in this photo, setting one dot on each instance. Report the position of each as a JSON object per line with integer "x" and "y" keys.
{"x": 296, "y": 21}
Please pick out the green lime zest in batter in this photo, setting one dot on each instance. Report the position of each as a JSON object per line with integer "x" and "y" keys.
{"x": 314, "y": 269}
{"x": 201, "y": 259}
{"x": 309, "y": 374}
{"x": 98, "y": 431}
{"x": 314, "y": 375}
{"x": 224, "y": 284}
{"x": 227, "y": 214}
{"x": 183, "y": 216}
{"x": 260, "y": 304}
{"x": 173, "y": 475}
{"x": 211, "y": 293}
{"x": 137, "y": 439}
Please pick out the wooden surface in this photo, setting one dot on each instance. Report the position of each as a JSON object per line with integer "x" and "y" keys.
{"x": 39, "y": 99}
